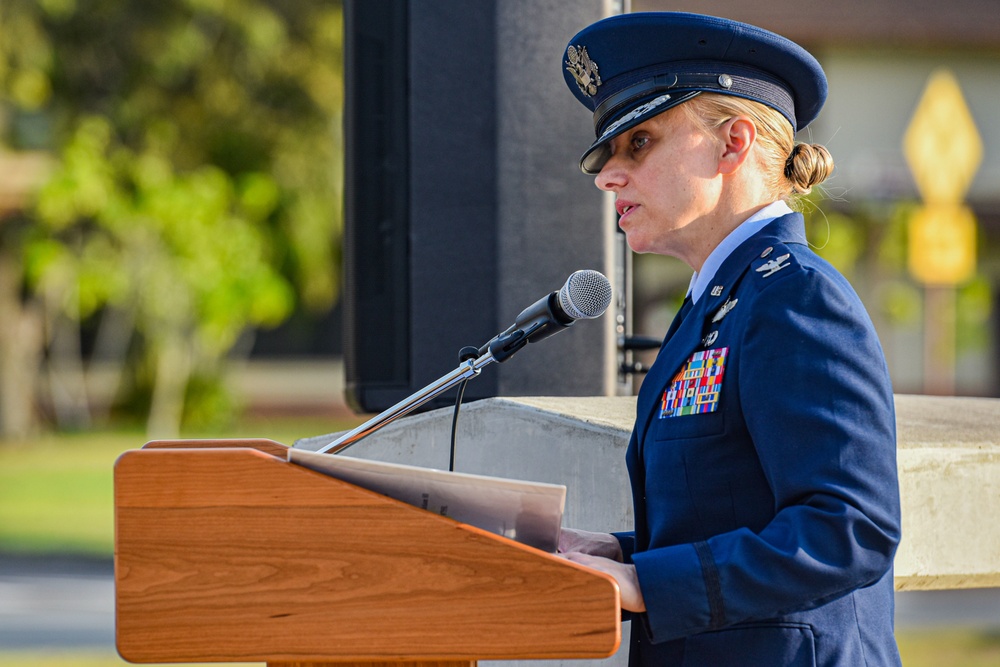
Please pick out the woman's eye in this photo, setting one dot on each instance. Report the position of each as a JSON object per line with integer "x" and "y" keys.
{"x": 639, "y": 141}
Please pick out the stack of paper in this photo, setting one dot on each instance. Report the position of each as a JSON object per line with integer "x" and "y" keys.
{"x": 529, "y": 512}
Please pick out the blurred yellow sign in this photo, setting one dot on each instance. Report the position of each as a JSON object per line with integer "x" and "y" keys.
{"x": 942, "y": 145}
{"x": 943, "y": 148}
{"x": 942, "y": 244}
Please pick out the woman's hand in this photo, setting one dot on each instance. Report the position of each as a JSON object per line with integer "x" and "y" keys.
{"x": 628, "y": 582}
{"x": 605, "y": 545}
{"x": 603, "y": 552}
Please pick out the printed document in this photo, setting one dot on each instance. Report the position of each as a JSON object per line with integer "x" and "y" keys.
{"x": 528, "y": 512}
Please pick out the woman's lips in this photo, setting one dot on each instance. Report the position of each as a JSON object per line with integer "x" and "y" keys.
{"x": 624, "y": 207}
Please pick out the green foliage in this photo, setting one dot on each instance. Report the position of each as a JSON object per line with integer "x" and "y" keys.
{"x": 973, "y": 309}
{"x": 868, "y": 244}
{"x": 209, "y": 406}
{"x": 843, "y": 243}
{"x": 902, "y": 302}
{"x": 178, "y": 248}
{"x": 198, "y": 177}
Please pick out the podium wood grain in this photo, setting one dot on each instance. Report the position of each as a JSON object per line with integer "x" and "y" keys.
{"x": 224, "y": 552}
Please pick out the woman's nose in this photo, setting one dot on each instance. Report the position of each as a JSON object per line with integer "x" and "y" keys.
{"x": 611, "y": 176}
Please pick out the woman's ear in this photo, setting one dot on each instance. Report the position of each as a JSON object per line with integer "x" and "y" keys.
{"x": 737, "y": 136}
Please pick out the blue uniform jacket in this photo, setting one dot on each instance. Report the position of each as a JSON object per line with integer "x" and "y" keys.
{"x": 763, "y": 470}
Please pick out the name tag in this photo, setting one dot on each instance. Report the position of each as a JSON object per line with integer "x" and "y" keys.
{"x": 696, "y": 387}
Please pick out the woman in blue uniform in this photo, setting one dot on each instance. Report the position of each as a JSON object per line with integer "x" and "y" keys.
{"x": 762, "y": 460}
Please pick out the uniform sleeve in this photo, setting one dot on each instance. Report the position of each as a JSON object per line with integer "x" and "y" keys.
{"x": 627, "y": 542}
{"x": 817, "y": 402}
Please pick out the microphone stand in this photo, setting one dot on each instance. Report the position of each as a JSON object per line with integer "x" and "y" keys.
{"x": 497, "y": 350}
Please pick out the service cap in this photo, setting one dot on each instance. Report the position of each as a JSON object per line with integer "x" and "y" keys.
{"x": 630, "y": 67}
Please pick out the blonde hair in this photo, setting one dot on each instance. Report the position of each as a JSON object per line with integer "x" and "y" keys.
{"x": 791, "y": 169}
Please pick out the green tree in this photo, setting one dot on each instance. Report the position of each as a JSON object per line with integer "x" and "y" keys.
{"x": 196, "y": 191}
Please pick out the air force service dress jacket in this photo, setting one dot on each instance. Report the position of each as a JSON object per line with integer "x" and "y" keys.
{"x": 763, "y": 472}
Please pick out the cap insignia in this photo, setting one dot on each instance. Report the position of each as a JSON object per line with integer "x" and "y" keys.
{"x": 583, "y": 69}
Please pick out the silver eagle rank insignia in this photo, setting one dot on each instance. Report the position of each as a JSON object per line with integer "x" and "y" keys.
{"x": 772, "y": 266}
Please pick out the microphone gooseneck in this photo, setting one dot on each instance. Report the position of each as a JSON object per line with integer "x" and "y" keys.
{"x": 586, "y": 295}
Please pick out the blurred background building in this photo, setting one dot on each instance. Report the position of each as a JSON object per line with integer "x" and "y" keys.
{"x": 880, "y": 57}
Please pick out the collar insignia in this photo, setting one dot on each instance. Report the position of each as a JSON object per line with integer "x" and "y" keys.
{"x": 772, "y": 266}
{"x": 583, "y": 69}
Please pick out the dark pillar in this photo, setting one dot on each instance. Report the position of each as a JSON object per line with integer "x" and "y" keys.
{"x": 464, "y": 202}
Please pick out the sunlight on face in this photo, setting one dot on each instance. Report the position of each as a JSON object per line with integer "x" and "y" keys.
{"x": 665, "y": 175}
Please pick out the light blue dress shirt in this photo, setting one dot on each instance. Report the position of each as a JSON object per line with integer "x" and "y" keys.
{"x": 756, "y": 222}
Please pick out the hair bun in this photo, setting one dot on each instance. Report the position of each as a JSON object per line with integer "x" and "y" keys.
{"x": 808, "y": 165}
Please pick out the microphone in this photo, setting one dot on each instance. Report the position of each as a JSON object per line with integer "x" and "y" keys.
{"x": 585, "y": 295}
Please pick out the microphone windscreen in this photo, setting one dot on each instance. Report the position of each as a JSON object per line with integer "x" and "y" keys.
{"x": 586, "y": 295}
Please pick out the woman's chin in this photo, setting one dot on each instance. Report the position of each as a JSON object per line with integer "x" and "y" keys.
{"x": 637, "y": 243}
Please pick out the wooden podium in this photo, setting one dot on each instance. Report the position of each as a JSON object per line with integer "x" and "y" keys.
{"x": 226, "y": 552}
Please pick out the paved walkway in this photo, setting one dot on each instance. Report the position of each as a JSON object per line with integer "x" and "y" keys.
{"x": 60, "y": 602}
{"x": 55, "y": 602}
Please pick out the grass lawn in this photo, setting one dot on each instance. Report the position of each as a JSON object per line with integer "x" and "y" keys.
{"x": 56, "y": 491}
{"x": 948, "y": 648}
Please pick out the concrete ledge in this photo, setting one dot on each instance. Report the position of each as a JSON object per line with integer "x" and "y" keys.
{"x": 579, "y": 442}
{"x": 948, "y": 456}
{"x": 949, "y": 477}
